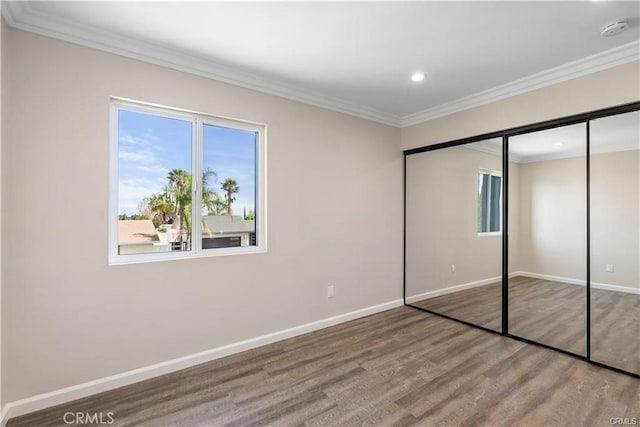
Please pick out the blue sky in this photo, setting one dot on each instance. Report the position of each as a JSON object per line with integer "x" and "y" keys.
{"x": 150, "y": 146}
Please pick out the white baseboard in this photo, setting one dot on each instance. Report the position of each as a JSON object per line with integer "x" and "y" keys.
{"x": 615, "y": 288}
{"x": 451, "y": 289}
{"x": 46, "y": 400}
{"x": 579, "y": 282}
{"x": 567, "y": 280}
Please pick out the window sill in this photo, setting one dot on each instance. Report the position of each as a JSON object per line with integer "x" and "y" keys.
{"x": 495, "y": 233}
{"x": 173, "y": 256}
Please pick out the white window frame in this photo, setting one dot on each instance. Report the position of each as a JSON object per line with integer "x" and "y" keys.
{"x": 498, "y": 174}
{"x": 198, "y": 120}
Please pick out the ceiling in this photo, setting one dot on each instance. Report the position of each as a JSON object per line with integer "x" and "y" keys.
{"x": 355, "y": 57}
{"x": 608, "y": 134}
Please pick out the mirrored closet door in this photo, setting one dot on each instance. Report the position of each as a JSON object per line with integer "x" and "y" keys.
{"x": 454, "y": 232}
{"x": 615, "y": 240}
{"x": 548, "y": 237}
{"x": 565, "y": 273}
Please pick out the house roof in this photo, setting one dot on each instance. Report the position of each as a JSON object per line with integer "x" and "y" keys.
{"x": 136, "y": 232}
{"x": 221, "y": 224}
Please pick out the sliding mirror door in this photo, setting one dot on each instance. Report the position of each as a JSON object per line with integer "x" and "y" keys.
{"x": 454, "y": 232}
{"x": 615, "y": 240}
{"x": 548, "y": 237}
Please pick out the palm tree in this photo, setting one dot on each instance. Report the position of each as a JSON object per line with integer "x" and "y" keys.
{"x": 158, "y": 208}
{"x": 178, "y": 190}
{"x": 174, "y": 203}
{"x": 230, "y": 187}
{"x": 218, "y": 207}
{"x": 210, "y": 198}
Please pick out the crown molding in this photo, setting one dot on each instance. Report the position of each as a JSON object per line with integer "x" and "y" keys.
{"x": 11, "y": 10}
{"x": 580, "y": 152}
{"x": 20, "y": 15}
{"x": 581, "y": 67}
{"x": 608, "y": 147}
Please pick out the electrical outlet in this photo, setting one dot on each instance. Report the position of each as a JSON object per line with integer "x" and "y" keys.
{"x": 453, "y": 268}
{"x": 609, "y": 268}
{"x": 330, "y": 291}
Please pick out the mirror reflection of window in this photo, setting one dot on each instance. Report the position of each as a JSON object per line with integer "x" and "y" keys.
{"x": 489, "y": 202}
{"x": 453, "y": 224}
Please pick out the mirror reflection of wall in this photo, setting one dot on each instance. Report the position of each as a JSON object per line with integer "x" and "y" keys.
{"x": 547, "y": 248}
{"x": 453, "y": 229}
{"x": 615, "y": 240}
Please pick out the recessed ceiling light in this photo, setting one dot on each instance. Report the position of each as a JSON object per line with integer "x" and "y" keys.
{"x": 613, "y": 28}
{"x": 417, "y": 77}
{"x": 559, "y": 144}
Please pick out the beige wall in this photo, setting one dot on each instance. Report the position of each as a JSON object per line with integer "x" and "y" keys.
{"x": 614, "y": 86}
{"x": 615, "y": 216}
{"x": 335, "y": 217}
{"x": 552, "y": 231}
{"x": 552, "y": 217}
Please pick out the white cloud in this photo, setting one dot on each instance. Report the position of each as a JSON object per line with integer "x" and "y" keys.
{"x": 141, "y": 156}
{"x": 146, "y": 140}
{"x": 153, "y": 169}
{"x": 132, "y": 191}
{"x": 137, "y": 156}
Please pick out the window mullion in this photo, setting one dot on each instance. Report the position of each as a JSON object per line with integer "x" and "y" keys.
{"x": 196, "y": 190}
{"x": 499, "y": 204}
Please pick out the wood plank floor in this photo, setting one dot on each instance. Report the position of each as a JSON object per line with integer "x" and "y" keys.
{"x": 548, "y": 312}
{"x": 615, "y": 329}
{"x": 398, "y": 368}
{"x": 554, "y": 313}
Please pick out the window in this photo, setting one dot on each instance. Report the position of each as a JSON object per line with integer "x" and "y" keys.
{"x": 184, "y": 185}
{"x": 489, "y": 202}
